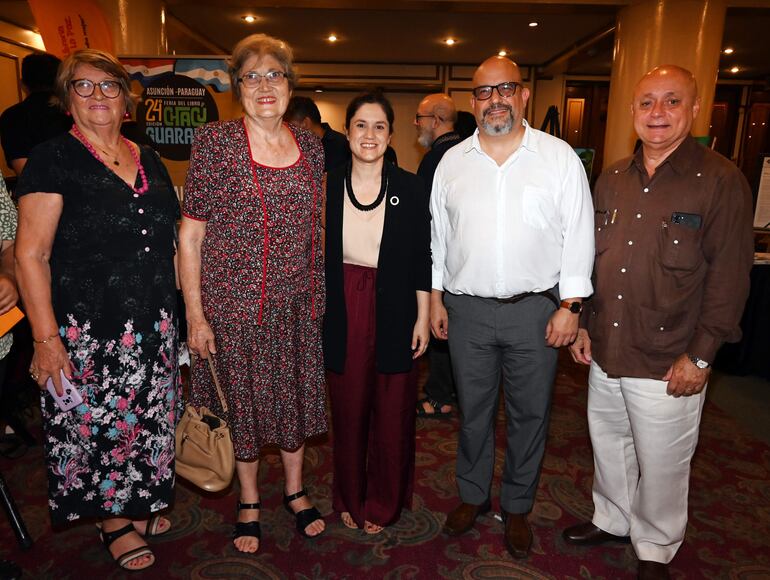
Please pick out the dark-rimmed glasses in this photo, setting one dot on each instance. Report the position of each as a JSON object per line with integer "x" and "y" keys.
{"x": 505, "y": 90}
{"x": 86, "y": 88}
{"x": 253, "y": 79}
{"x": 417, "y": 117}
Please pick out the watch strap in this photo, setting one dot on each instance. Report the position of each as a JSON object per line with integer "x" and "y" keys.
{"x": 574, "y": 307}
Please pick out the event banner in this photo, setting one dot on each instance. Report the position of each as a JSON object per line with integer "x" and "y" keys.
{"x": 66, "y": 26}
{"x": 177, "y": 95}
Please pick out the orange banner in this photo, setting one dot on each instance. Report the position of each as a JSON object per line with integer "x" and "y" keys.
{"x": 69, "y": 25}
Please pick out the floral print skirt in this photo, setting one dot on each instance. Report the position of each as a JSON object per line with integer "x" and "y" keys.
{"x": 113, "y": 455}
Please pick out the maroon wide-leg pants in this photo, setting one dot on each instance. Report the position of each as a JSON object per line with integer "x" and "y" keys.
{"x": 373, "y": 417}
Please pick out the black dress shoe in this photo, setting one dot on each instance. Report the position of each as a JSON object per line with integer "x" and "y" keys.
{"x": 9, "y": 570}
{"x": 587, "y": 534}
{"x": 649, "y": 570}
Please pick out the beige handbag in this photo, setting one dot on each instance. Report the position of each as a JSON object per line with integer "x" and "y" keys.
{"x": 204, "y": 447}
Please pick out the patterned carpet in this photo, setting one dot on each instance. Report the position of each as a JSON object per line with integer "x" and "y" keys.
{"x": 728, "y": 535}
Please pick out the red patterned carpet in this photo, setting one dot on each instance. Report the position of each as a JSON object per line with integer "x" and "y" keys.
{"x": 728, "y": 535}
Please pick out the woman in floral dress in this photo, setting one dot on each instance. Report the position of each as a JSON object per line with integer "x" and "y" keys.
{"x": 252, "y": 275}
{"x": 95, "y": 251}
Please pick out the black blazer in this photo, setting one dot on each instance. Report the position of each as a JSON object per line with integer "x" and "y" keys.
{"x": 403, "y": 267}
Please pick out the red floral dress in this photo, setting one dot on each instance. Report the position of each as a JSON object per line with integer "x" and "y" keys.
{"x": 262, "y": 286}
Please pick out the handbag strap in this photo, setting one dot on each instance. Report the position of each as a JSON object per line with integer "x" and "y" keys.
{"x": 213, "y": 369}
{"x": 214, "y": 376}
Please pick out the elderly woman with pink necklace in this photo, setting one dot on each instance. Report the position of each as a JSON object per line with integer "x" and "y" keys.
{"x": 95, "y": 266}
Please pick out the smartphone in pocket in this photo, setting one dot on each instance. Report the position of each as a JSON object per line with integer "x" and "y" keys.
{"x": 69, "y": 399}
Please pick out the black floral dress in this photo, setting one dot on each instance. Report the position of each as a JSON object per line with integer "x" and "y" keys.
{"x": 114, "y": 296}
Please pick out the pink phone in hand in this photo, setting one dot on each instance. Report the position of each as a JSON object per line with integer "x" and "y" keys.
{"x": 69, "y": 399}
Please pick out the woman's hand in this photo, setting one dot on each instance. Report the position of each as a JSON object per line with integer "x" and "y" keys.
{"x": 200, "y": 338}
{"x": 50, "y": 360}
{"x": 420, "y": 337}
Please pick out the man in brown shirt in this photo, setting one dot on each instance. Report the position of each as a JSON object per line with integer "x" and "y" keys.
{"x": 674, "y": 247}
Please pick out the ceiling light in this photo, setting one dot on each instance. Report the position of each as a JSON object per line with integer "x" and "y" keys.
{"x": 249, "y": 18}
{"x": 533, "y": 24}
{"x": 728, "y": 50}
{"x": 502, "y": 53}
{"x": 332, "y": 38}
{"x": 450, "y": 41}
{"x": 735, "y": 69}
{"x": 319, "y": 90}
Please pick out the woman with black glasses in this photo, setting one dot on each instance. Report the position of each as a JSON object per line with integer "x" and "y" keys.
{"x": 251, "y": 265}
{"x": 95, "y": 266}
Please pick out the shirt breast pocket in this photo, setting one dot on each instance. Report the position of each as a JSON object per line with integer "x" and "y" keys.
{"x": 679, "y": 247}
{"x": 603, "y": 237}
{"x": 538, "y": 209}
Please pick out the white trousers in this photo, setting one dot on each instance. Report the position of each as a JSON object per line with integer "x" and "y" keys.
{"x": 643, "y": 442}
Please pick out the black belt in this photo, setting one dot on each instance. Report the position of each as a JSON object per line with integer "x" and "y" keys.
{"x": 518, "y": 297}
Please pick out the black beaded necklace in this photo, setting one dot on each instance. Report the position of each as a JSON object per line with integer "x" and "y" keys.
{"x": 352, "y": 196}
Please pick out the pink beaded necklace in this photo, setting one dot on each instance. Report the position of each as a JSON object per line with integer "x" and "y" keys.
{"x": 143, "y": 176}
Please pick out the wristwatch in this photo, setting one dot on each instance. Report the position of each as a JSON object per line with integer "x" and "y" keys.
{"x": 574, "y": 307}
{"x": 698, "y": 362}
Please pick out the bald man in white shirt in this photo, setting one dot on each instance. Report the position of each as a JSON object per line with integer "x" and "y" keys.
{"x": 512, "y": 232}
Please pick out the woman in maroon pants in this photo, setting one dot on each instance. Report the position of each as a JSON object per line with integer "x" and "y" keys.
{"x": 378, "y": 273}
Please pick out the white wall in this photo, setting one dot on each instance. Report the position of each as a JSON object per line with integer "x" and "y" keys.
{"x": 332, "y": 105}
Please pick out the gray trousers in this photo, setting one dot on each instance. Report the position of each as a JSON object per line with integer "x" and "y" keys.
{"x": 488, "y": 339}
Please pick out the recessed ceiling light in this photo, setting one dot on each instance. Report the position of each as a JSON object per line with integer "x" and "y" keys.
{"x": 502, "y": 53}
{"x": 332, "y": 38}
{"x": 319, "y": 90}
{"x": 735, "y": 69}
{"x": 249, "y": 18}
{"x": 533, "y": 24}
{"x": 728, "y": 50}
{"x": 450, "y": 41}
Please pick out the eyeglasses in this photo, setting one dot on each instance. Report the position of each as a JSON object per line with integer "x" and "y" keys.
{"x": 253, "y": 79}
{"x": 417, "y": 117}
{"x": 86, "y": 88}
{"x": 505, "y": 90}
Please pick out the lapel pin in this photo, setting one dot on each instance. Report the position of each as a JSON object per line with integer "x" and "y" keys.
{"x": 394, "y": 201}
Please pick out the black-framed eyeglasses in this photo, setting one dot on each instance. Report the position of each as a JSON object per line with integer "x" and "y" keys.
{"x": 85, "y": 88}
{"x": 253, "y": 79}
{"x": 505, "y": 90}
{"x": 417, "y": 117}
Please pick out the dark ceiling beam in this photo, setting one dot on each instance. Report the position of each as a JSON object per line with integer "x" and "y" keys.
{"x": 559, "y": 63}
{"x": 206, "y": 42}
{"x": 455, "y": 6}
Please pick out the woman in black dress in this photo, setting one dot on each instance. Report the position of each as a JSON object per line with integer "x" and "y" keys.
{"x": 95, "y": 251}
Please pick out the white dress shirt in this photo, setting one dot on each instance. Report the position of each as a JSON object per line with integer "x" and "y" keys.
{"x": 523, "y": 226}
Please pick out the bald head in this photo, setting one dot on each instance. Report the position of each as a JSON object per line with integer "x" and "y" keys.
{"x": 664, "y": 108}
{"x": 496, "y": 66}
{"x": 674, "y": 73}
{"x": 440, "y": 105}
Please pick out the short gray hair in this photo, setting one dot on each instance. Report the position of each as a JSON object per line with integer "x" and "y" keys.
{"x": 260, "y": 45}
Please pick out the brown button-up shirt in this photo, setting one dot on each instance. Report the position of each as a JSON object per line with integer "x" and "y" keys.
{"x": 673, "y": 255}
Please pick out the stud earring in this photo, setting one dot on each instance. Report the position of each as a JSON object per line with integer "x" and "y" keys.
{"x": 126, "y": 115}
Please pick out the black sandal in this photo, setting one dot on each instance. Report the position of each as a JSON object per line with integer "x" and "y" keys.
{"x": 305, "y": 517}
{"x": 437, "y": 412}
{"x": 250, "y": 529}
{"x": 108, "y": 538}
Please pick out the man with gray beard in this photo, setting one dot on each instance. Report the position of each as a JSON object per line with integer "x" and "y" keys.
{"x": 512, "y": 232}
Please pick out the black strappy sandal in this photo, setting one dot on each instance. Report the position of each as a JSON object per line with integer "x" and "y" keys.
{"x": 304, "y": 517}
{"x": 108, "y": 538}
{"x": 250, "y": 529}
